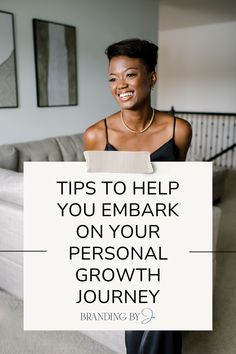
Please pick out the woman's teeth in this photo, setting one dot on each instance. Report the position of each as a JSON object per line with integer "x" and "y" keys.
{"x": 125, "y": 94}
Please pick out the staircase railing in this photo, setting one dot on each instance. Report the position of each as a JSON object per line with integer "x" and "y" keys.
{"x": 214, "y": 136}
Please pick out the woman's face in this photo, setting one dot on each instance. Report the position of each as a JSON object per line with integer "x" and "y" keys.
{"x": 130, "y": 82}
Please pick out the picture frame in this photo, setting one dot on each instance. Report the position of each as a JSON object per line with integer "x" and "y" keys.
{"x": 56, "y": 63}
{"x": 8, "y": 73}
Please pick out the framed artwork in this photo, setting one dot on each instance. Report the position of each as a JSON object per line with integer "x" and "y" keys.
{"x": 8, "y": 77}
{"x": 55, "y": 60}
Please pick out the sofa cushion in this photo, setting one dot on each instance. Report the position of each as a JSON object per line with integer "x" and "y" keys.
{"x": 8, "y": 157}
{"x": 11, "y": 186}
{"x": 71, "y": 147}
{"x": 41, "y": 150}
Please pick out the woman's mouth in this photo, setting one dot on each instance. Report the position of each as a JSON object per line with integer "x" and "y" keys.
{"x": 124, "y": 96}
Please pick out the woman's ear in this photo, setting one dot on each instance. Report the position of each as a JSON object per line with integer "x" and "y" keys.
{"x": 153, "y": 78}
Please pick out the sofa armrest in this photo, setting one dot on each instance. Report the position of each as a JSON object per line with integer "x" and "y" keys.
{"x": 9, "y": 157}
{"x": 11, "y": 186}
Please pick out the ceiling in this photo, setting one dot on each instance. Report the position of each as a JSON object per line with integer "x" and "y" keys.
{"x": 175, "y": 14}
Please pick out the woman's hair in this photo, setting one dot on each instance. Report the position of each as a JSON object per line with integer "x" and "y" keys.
{"x": 135, "y": 48}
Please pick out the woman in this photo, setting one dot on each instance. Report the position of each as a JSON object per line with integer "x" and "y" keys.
{"x": 136, "y": 127}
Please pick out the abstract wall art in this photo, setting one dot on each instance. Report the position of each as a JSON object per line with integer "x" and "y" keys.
{"x": 8, "y": 78}
{"x": 56, "y": 66}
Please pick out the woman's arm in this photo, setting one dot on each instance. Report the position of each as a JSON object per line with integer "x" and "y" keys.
{"x": 183, "y": 135}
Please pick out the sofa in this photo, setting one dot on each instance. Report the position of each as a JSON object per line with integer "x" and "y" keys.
{"x": 12, "y": 157}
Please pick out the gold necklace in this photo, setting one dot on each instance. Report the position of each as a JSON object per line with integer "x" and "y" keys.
{"x": 137, "y": 131}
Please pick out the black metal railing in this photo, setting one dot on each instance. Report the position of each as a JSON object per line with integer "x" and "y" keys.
{"x": 229, "y": 148}
{"x": 214, "y": 136}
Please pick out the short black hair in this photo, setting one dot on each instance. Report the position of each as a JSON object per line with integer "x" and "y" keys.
{"x": 135, "y": 48}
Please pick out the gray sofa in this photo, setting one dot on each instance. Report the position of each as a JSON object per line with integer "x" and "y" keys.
{"x": 12, "y": 157}
{"x": 63, "y": 148}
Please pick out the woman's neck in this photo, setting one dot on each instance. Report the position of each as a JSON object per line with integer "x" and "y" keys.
{"x": 137, "y": 119}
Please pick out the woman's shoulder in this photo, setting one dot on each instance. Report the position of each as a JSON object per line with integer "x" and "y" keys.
{"x": 174, "y": 124}
{"x": 94, "y": 136}
{"x": 168, "y": 118}
{"x": 181, "y": 131}
{"x": 95, "y": 128}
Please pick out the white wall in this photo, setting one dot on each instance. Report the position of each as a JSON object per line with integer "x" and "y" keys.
{"x": 197, "y": 68}
{"x": 99, "y": 23}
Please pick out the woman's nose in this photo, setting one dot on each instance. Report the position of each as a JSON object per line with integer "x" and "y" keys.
{"x": 122, "y": 84}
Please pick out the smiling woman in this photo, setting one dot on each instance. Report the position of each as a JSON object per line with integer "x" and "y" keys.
{"x": 139, "y": 127}
{"x": 130, "y": 81}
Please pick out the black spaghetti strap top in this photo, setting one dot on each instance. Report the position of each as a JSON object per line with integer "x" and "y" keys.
{"x": 167, "y": 152}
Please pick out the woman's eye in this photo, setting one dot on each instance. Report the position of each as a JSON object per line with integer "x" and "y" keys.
{"x": 131, "y": 74}
{"x": 111, "y": 79}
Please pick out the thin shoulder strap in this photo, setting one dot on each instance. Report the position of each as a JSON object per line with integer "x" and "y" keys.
{"x": 105, "y": 122}
{"x": 174, "y": 127}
